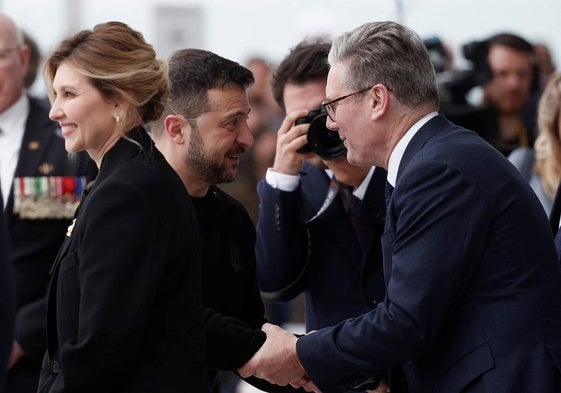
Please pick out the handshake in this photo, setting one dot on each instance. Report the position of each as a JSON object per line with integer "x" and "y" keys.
{"x": 277, "y": 361}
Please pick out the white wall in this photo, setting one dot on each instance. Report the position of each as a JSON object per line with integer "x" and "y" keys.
{"x": 241, "y": 28}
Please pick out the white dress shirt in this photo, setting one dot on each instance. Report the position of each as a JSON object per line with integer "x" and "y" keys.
{"x": 399, "y": 149}
{"x": 289, "y": 183}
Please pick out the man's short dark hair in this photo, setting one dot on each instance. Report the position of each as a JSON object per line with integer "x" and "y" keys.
{"x": 193, "y": 72}
{"x": 518, "y": 44}
{"x": 511, "y": 41}
{"x": 306, "y": 62}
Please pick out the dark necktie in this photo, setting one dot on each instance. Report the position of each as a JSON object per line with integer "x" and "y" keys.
{"x": 352, "y": 207}
{"x": 389, "y": 192}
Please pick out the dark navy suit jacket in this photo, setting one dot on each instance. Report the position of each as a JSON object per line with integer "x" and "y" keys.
{"x": 6, "y": 302}
{"x": 341, "y": 278}
{"x": 474, "y": 287}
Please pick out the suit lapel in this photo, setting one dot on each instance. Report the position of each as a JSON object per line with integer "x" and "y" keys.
{"x": 373, "y": 213}
{"x": 35, "y": 143}
{"x": 315, "y": 189}
{"x": 332, "y": 219}
{"x": 62, "y": 251}
{"x": 426, "y": 132}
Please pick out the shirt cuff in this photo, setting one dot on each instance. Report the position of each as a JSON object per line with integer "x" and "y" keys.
{"x": 282, "y": 181}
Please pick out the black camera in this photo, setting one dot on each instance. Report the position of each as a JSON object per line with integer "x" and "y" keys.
{"x": 437, "y": 53}
{"x": 455, "y": 85}
{"x": 321, "y": 140}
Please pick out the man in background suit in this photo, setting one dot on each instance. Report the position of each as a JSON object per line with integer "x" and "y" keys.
{"x": 6, "y": 303}
{"x": 473, "y": 298}
{"x": 296, "y": 253}
{"x": 506, "y": 115}
{"x": 40, "y": 189}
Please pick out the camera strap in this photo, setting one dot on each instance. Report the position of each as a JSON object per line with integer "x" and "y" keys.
{"x": 334, "y": 187}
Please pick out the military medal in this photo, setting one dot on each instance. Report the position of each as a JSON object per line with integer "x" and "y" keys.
{"x": 47, "y": 197}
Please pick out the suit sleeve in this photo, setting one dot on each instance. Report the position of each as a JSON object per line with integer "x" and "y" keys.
{"x": 230, "y": 342}
{"x": 30, "y": 332}
{"x": 282, "y": 243}
{"x": 254, "y": 308}
{"x": 436, "y": 220}
{"x": 6, "y": 304}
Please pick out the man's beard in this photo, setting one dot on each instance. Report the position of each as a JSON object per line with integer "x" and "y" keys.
{"x": 203, "y": 166}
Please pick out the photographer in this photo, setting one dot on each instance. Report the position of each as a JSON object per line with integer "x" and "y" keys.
{"x": 505, "y": 66}
{"x": 306, "y": 239}
{"x": 455, "y": 84}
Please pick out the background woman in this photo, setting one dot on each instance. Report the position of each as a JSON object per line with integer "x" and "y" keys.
{"x": 542, "y": 165}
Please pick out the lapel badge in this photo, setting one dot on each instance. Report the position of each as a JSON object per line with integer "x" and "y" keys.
{"x": 33, "y": 145}
{"x": 70, "y": 228}
{"x": 45, "y": 168}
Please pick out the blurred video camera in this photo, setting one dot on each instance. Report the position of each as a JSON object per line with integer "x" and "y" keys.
{"x": 321, "y": 140}
{"x": 454, "y": 85}
{"x": 458, "y": 83}
{"x": 437, "y": 53}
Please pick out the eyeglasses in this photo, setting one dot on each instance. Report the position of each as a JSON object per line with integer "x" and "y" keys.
{"x": 331, "y": 106}
{"x": 5, "y": 55}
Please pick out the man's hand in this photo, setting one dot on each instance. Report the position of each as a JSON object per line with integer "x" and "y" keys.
{"x": 277, "y": 360}
{"x": 382, "y": 388}
{"x": 289, "y": 139}
{"x": 16, "y": 354}
{"x": 307, "y": 384}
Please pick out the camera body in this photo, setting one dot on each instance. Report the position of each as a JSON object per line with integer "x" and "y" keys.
{"x": 437, "y": 53}
{"x": 457, "y": 84}
{"x": 321, "y": 140}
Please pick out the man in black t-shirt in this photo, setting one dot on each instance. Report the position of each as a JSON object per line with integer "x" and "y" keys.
{"x": 202, "y": 134}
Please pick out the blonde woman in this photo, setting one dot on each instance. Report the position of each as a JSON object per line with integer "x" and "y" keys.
{"x": 124, "y": 307}
{"x": 542, "y": 165}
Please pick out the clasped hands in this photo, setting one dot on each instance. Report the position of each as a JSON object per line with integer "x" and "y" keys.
{"x": 277, "y": 361}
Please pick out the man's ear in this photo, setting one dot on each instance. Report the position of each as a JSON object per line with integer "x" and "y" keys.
{"x": 379, "y": 100}
{"x": 24, "y": 58}
{"x": 175, "y": 128}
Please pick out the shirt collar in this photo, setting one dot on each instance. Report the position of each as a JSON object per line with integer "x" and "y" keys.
{"x": 359, "y": 191}
{"x": 399, "y": 149}
{"x": 13, "y": 116}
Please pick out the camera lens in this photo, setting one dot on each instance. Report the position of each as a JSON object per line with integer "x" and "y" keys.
{"x": 321, "y": 140}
